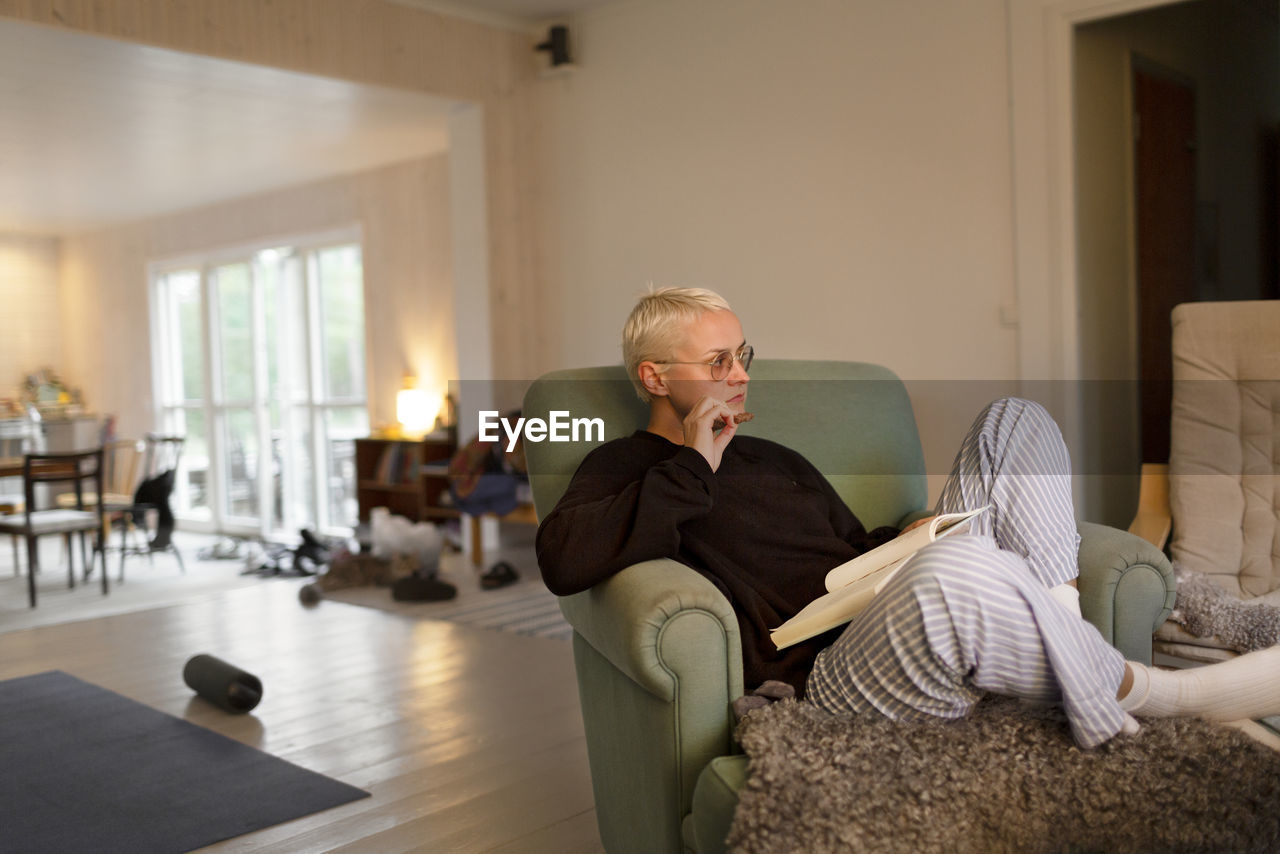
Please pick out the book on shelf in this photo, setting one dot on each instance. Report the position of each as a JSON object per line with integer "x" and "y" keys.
{"x": 386, "y": 463}
{"x": 852, "y": 585}
{"x": 409, "y": 472}
{"x": 398, "y": 464}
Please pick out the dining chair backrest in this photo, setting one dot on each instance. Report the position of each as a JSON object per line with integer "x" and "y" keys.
{"x": 75, "y": 468}
{"x": 162, "y": 454}
{"x": 121, "y": 461}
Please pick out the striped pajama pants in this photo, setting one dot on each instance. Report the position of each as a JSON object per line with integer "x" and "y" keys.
{"x": 972, "y": 613}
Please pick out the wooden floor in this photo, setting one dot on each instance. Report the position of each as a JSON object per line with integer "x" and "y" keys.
{"x": 153, "y": 583}
{"x": 469, "y": 740}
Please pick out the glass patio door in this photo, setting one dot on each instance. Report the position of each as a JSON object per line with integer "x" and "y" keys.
{"x": 283, "y": 394}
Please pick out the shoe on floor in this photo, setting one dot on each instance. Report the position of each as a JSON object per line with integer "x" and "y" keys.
{"x": 499, "y": 575}
{"x": 422, "y": 588}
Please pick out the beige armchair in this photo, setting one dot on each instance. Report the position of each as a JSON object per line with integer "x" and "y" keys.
{"x": 1220, "y": 493}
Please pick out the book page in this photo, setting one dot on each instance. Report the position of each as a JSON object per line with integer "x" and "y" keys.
{"x": 952, "y": 523}
{"x": 825, "y": 612}
{"x": 901, "y": 546}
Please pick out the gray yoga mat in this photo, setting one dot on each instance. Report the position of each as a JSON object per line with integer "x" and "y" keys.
{"x": 86, "y": 769}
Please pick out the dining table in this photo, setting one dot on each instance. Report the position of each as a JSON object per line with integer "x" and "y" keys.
{"x": 10, "y": 466}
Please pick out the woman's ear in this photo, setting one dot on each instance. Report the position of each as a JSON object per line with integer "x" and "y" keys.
{"x": 652, "y": 380}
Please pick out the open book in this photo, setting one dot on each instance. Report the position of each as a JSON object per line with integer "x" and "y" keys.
{"x": 853, "y": 584}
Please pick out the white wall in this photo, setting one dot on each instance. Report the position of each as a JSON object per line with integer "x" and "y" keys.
{"x": 32, "y": 337}
{"x": 403, "y": 212}
{"x": 838, "y": 169}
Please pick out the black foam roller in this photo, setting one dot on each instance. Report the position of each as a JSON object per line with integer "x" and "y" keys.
{"x": 222, "y": 684}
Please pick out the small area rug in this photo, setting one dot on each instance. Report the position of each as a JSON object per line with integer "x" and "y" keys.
{"x": 86, "y": 769}
{"x": 524, "y": 608}
{"x": 1007, "y": 779}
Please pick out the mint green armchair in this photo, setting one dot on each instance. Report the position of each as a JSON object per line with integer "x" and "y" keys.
{"x": 656, "y": 647}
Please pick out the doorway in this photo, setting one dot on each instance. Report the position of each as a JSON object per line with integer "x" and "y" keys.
{"x": 1164, "y": 159}
{"x": 1167, "y": 207}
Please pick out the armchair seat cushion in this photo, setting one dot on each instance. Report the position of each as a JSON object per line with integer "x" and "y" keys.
{"x": 715, "y": 800}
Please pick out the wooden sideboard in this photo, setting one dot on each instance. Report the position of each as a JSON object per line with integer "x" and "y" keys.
{"x": 408, "y": 477}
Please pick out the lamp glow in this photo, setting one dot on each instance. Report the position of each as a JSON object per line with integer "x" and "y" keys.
{"x": 414, "y": 409}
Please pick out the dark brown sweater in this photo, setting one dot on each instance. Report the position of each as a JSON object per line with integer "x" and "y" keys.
{"x": 764, "y": 528}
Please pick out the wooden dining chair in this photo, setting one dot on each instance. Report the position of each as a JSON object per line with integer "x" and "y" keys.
{"x": 11, "y": 499}
{"x": 121, "y": 459}
{"x": 83, "y": 471}
{"x": 17, "y": 437}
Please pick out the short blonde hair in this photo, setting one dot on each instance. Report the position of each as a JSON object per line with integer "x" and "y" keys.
{"x": 654, "y": 327}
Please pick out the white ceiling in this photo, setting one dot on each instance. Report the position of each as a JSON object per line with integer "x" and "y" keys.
{"x": 95, "y": 131}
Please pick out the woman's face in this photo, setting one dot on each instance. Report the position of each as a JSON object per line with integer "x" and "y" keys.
{"x": 711, "y": 334}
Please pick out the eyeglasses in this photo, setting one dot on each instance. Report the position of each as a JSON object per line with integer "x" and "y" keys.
{"x": 722, "y": 364}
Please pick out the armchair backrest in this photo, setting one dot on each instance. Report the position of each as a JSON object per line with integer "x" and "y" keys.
{"x": 1224, "y": 463}
{"x": 853, "y": 420}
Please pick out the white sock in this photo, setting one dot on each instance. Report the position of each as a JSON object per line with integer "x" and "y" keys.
{"x": 1067, "y": 596}
{"x": 1243, "y": 688}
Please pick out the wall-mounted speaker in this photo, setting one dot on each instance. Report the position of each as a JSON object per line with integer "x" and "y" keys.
{"x": 557, "y": 44}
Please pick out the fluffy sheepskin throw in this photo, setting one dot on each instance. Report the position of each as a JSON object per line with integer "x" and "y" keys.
{"x": 1007, "y": 779}
{"x": 1207, "y": 611}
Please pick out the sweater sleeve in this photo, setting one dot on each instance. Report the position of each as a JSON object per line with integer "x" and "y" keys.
{"x": 618, "y": 511}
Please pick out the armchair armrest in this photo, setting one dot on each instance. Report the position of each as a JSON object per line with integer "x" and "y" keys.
{"x": 1127, "y": 588}
{"x": 659, "y": 660}
{"x": 655, "y": 621}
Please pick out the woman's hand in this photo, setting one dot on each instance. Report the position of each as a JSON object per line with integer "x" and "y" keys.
{"x": 700, "y": 429}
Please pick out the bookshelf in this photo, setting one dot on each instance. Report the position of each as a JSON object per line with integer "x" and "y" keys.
{"x": 408, "y": 477}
